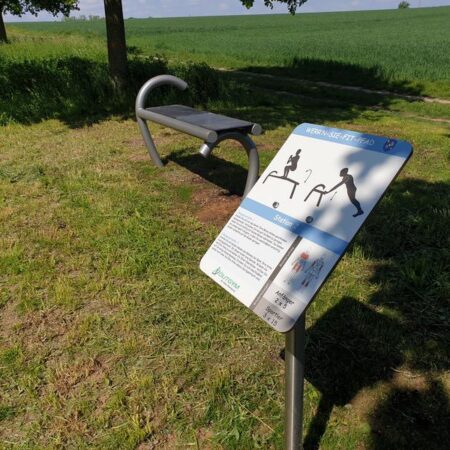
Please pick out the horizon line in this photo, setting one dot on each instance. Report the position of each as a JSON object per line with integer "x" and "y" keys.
{"x": 60, "y": 18}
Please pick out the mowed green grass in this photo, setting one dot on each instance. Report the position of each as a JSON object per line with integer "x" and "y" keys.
{"x": 396, "y": 49}
{"x": 112, "y": 338}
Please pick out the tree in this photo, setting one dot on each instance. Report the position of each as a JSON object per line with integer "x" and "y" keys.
{"x": 117, "y": 47}
{"x": 19, "y": 7}
{"x": 291, "y": 4}
{"x": 403, "y": 5}
{"x": 115, "y": 34}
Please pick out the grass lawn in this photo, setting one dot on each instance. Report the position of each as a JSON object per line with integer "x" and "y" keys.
{"x": 111, "y": 337}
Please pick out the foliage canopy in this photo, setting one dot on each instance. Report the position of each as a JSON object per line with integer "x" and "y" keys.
{"x": 19, "y": 7}
{"x": 291, "y": 4}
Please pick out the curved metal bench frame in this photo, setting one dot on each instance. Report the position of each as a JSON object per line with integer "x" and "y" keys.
{"x": 211, "y": 138}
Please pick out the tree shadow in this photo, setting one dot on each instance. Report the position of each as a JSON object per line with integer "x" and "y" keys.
{"x": 341, "y": 73}
{"x": 353, "y": 346}
{"x": 79, "y": 91}
{"x": 412, "y": 418}
{"x": 346, "y": 352}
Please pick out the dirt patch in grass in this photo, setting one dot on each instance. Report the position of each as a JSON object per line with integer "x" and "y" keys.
{"x": 66, "y": 378}
{"x": 134, "y": 142}
{"x": 215, "y": 206}
{"x": 44, "y": 326}
{"x": 211, "y": 204}
{"x": 409, "y": 380}
{"x": 8, "y": 321}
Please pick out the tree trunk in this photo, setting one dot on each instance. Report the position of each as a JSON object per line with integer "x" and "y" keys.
{"x": 117, "y": 49}
{"x": 3, "y": 37}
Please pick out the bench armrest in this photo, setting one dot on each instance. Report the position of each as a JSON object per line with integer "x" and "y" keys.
{"x": 155, "y": 82}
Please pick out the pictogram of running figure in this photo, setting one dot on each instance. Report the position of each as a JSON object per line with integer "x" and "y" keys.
{"x": 349, "y": 183}
{"x": 291, "y": 166}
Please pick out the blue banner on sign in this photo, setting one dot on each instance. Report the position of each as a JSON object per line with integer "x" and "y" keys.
{"x": 322, "y": 238}
{"x": 380, "y": 144}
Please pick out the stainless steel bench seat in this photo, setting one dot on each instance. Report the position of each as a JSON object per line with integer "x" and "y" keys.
{"x": 204, "y": 119}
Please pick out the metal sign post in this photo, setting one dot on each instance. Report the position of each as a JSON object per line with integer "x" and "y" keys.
{"x": 294, "y": 381}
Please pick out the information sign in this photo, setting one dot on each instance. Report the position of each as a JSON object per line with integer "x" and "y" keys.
{"x": 290, "y": 231}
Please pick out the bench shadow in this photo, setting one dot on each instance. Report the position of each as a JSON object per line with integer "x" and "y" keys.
{"x": 225, "y": 174}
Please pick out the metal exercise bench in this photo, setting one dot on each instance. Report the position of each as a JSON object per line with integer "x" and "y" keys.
{"x": 211, "y": 128}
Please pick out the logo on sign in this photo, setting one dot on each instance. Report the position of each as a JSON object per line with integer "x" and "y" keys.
{"x": 389, "y": 145}
{"x": 226, "y": 279}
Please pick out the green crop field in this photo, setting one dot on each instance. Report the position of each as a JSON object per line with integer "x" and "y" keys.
{"x": 111, "y": 337}
{"x": 404, "y": 50}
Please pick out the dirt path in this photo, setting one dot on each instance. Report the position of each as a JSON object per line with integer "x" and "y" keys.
{"x": 426, "y": 99}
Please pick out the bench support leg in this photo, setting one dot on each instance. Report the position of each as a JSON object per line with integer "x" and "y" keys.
{"x": 250, "y": 148}
{"x": 149, "y": 142}
{"x": 253, "y": 168}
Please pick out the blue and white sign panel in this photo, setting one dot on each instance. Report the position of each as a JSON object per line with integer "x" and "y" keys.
{"x": 286, "y": 237}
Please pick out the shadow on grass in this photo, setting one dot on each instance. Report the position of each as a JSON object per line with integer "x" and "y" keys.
{"x": 338, "y": 72}
{"x": 79, "y": 91}
{"x": 412, "y": 418}
{"x": 229, "y": 176}
{"x": 404, "y": 329}
{"x": 353, "y": 346}
{"x": 346, "y": 352}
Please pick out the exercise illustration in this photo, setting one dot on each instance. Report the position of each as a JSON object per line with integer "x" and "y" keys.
{"x": 347, "y": 179}
{"x": 349, "y": 183}
{"x": 319, "y": 189}
{"x": 313, "y": 271}
{"x": 292, "y": 163}
{"x": 300, "y": 263}
{"x": 291, "y": 166}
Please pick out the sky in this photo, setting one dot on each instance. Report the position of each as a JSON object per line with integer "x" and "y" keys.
{"x": 181, "y": 8}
